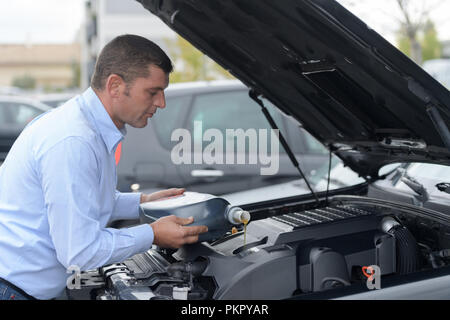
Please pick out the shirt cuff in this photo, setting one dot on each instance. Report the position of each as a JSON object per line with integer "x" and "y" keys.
{"x": 127, "y": 206}
{"x": 143, "y": 235}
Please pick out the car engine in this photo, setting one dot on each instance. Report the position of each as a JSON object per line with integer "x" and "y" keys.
{"x": 293, "y": 252}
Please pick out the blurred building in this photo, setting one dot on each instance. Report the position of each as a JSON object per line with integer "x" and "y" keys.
{"x": 49, "y": 66}
{"x": 106, "y": 19}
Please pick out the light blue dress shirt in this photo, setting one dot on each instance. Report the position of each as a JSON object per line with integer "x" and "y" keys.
{"x": 57, "y": 195}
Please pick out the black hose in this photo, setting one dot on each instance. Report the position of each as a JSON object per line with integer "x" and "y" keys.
{"x": 407, "y": 250}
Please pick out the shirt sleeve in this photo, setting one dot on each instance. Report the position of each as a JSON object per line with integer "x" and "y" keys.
{"x": 70, "y": 178}
{"x": 126, "y": 206}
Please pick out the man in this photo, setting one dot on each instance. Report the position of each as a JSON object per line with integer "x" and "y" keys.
{"x": 57, "y": 184}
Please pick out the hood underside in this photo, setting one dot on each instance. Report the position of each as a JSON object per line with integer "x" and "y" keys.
{"x": 317, "y": 62}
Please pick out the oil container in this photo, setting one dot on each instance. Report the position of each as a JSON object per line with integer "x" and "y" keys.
{"x": 214, "y": 212}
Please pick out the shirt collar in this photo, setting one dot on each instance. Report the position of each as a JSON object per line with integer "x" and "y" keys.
{"x": 100, "y": 118}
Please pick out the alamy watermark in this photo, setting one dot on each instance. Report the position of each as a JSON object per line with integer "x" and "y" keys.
{"x": 215, "y": 153}
{"x": 373, "y": 274}
{"x": 74, "y": 280}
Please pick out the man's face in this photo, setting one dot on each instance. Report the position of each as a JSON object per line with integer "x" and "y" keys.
{"x": 139, "y": 100}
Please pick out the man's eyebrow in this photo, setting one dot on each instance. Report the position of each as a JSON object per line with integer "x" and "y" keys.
{"x": 157, "y": 88}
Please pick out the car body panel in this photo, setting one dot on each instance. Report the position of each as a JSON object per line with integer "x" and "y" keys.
{"x": 430, "y": 289}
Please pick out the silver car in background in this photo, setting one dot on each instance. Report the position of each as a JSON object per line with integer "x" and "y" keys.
{"x": 15, "y": 113}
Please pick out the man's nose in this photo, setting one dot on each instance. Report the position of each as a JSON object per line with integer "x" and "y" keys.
{"x": 161, "y": 101}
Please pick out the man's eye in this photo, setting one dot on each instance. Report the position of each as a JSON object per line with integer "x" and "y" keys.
{"x": 153, "y": 93}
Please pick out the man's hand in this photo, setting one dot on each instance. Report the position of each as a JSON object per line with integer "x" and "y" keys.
{"x": 172, "y": 232}
{"x": 161, "y": 194}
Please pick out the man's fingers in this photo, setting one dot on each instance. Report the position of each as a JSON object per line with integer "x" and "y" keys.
{"x": 194, "y": 230}
{"x": 190, "y": 230}
{"x": 184, "y": 221}
{"x": 172, "y": 192}
{"x": 179, "y": 190}
{"x": 191, "y": 239}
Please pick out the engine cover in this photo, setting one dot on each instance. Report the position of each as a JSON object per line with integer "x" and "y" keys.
{"x": 297, "y": 252}
{"x": 294, "y": 253}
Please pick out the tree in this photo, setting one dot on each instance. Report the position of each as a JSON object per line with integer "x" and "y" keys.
{"x": 414, "y": 25}
{"x": 191, "y": 64}
{"x": 76, "y": 75}
{"x": 431, "y": 46}
{"x": 416, "y": 20}
{"x": 26, "y": 82}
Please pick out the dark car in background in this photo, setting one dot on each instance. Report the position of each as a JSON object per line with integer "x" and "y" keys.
{"x": 15, "y": 113}
{"x": 146, "y": 163}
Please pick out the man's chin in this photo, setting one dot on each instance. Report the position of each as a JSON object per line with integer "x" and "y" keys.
{"x": 139, "y": 124}
{"x": 142, "y": 125}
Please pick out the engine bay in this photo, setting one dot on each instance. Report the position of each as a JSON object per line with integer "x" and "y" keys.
{"x": 295, "y": 251}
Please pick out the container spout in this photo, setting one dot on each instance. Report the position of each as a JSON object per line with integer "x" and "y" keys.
{"x": 236, "y": 215}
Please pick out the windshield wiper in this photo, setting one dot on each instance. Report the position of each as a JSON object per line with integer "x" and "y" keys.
{"x": 283, "y": 142}
{"x": 414, "y": 185}
{"x": 444, "y": 187}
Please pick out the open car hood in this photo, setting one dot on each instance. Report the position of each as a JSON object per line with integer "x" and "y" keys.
{"x": 319, "y": 63}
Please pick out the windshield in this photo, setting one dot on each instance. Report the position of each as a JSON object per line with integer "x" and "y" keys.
{"x": 429, "y": 175}
{"x": 340, "y": 177}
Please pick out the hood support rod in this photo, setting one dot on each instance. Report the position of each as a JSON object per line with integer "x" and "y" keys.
{"x": 439, "y": 124}
{"x": 253, "y": 94}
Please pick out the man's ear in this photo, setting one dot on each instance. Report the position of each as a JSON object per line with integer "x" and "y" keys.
{"x": 114, "y": 84}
